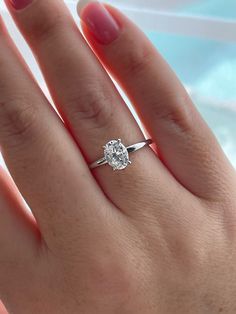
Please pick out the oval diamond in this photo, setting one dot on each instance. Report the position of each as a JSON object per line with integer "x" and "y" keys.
{"x": 116, "y": 155}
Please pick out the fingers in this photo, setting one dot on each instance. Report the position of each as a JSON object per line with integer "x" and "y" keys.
{"x": 85, "y": 96}
{"x": 186, "y": 145}
{"x": 40, "y": 154}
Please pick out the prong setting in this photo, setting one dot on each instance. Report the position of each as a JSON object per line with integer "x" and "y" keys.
{"x": 116, "y": 154}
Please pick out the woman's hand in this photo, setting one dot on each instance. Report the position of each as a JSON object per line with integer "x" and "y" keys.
{"x": 156, "y": 238}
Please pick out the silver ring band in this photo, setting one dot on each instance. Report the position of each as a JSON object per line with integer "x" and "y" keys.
{"x": 117, "y": 155}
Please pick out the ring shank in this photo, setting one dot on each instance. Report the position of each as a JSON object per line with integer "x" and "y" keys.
{"x": 131, "y": 149}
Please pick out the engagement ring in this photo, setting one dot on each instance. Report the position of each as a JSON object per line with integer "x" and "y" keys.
{"x": 117, "y": 155}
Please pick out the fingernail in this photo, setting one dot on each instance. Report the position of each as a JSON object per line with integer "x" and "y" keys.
{"x": 19, "y": 4}
{"x": 99, "y": 21}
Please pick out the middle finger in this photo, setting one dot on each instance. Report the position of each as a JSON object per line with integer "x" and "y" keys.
{"x": 85, "y": 96}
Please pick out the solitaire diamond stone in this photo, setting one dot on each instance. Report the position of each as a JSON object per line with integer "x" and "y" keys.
{"x": 116, "y": 155}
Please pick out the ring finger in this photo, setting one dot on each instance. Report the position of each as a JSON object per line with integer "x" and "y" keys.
{"x": 85, "y": 96}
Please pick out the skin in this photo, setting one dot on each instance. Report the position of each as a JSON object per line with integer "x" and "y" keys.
{"x": 157, "y": 238}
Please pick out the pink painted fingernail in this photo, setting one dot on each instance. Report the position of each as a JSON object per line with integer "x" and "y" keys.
{"x": 99, "y": 21}
{"x": 19, "y": 4}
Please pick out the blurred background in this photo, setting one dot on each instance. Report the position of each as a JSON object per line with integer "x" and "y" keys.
{"x": 198, "y": 39}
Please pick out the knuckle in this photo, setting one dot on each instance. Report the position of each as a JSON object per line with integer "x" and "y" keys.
{"x": 177, "y": 114}
{"x": 135, "y": 61}
{"x": 93, "y": 109}
{"x": 44, "y": 27}
{"x": 17, "y": 117}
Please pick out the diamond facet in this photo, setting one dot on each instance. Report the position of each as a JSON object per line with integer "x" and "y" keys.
{"x": 116, "y": 155}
